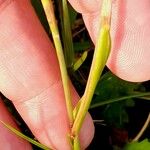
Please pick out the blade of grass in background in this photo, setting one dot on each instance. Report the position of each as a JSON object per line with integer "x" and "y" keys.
{"x": 67, "y": 36}
{"x": 80, "y": 61}
{"x": 120, "y": 99}
{"x": 72, "y": 14}
{"x": 18, "y": 133}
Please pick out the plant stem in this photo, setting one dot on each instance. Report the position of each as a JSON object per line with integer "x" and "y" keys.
{"x": 134, "y": 95}
{"x": 49, "y": 11}
{"x": 76, "y": 143}
{"x": 100, "y": 57}
{"x": 18, "y": 133}
{"x": 143, "y": 129}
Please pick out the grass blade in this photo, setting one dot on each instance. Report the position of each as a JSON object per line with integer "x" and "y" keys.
{"x": 80, "y": 61}
{"x": 120, "y": 99}
{"x": 67, "y": 36}
{"x": 102, "y": 50}
{"x": 49, "y": 11}
{"x": 18, "y": 133}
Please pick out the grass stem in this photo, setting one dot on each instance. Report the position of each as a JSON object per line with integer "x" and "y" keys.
{"x": 123, "y": 98}
{"x": 49, "y": 11}
{"x": 100, "y": 57}
{"x": 18, "y": 133}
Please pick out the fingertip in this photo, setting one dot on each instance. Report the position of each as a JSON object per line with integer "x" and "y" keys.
{"x": 129, "y": 58}
{"x": 85, "y": 6}
{"x": 87, "y": 132}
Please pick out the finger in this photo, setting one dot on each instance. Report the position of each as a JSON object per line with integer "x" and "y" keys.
{"x": 86, "y": 6}
{"x": 30, "y": 76}
{"x": 8, "y": 139}
{"x": 130, "y": 33}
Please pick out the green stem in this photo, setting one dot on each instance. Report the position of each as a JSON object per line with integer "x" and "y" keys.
{"x": 76, "y": 143}
{"x": 120, "y": 99}
{"x": 49, "y": 11}
{"x": 100, "y": 57}
{"x": 18, "y": 133}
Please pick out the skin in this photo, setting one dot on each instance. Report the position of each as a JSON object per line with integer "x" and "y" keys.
{"x": 29, "y": 71}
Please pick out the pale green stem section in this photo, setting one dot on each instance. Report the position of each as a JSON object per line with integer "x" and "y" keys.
{"x": 98, "y": 64}
{"x": 102, "y": 50}
{"x": 76, "y": 143}
{"x": 69, "y": 52}
{"x": 49, "y": 11}
{"x": 16, "y": 132}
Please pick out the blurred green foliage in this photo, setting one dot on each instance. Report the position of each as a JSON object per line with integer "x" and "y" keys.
{"x": 143, "y": 145}
{"x": 112, "y": 87}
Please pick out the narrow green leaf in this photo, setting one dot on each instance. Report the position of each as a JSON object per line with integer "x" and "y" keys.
{"x": 102, "y": 50}
{"x": 72, "y": 14}
{"x": 80, "y": 61}
{"x": 67, "y": 37}
{"x": 18, "y": 133}
{"x": 119, "y": 99}
{"x": 49, "y": 11}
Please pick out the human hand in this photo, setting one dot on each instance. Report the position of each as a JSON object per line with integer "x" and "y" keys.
{"x": 130, "y": 31}
{"x": 30, "y": 77}
{"x": 33, "y": 89}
